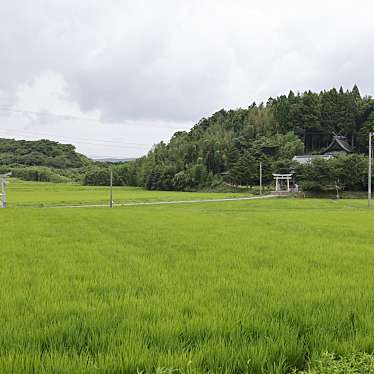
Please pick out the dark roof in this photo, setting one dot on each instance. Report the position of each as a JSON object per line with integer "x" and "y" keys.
{"x": 338, "y": 143}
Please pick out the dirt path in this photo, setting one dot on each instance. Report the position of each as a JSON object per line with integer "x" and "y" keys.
{"x": 164, "y": 202}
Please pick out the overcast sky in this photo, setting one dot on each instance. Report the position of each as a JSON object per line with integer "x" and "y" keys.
{"x": 123, "y": 75}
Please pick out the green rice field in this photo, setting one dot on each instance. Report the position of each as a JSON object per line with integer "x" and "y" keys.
{"x": 263, "y": 286}
{"x": 21, "y": 193}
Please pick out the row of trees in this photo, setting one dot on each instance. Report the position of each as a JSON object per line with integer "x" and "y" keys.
{"x": 348, "y": 172}
{"x": 345, "y": 172}
{"x": 314, "y": 117}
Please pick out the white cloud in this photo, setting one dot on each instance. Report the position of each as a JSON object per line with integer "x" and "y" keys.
{"x": 172, "y": 62}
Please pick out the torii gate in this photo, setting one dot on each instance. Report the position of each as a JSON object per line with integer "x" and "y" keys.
{"x": 3, "y": 182}
{"x": 282, "y": 177}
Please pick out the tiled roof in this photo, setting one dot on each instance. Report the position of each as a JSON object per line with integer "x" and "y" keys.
{"x": 342, "y": 142}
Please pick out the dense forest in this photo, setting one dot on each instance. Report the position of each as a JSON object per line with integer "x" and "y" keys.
{"x": 226, "y": 148}
{"x": 229, "y": 145}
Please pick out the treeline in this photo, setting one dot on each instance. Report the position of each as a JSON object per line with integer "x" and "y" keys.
{"x": 315, "y": 117}
{"x": 349, "y": 172}
{"x": 229, "y": 145}
{"x": 345, "y": 172}
{"x": 226, "y": 148}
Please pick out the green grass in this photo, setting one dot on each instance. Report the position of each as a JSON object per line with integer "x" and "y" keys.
{"x": 358, "y": 363}
{"x": 235, "y": 287}
{"x": 21, "y": 193}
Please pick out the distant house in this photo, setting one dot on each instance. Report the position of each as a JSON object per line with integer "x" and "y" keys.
{"x": 306, "y": 159}
{"x": 338, "y": 146}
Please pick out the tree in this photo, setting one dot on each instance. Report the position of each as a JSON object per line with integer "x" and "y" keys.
{"x": 245, "y": 170}
{"x": 346, "y": 172}
{"x": 350, "y": 171}
{"x": 96, "y": 177}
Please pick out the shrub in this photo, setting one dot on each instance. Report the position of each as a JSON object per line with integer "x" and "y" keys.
{"x": 38, "y": 174}
{"x": 97, "y": 177}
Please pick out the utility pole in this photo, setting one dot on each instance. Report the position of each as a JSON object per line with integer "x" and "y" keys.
{"x": 260, "y": 178}
{"x": 3, "y": 193}
{"x": 111, "y": 189}
{"x": 3, "y": 181}
{"x": 369, "y": 170}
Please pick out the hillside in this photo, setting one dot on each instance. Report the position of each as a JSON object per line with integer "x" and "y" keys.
{"x": 40, "y": 153}
{"x": 230, "y": 144}
{"x": 41, "y": 160}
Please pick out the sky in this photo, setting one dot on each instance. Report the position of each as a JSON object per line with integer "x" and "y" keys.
{"x": 115, "y": 77}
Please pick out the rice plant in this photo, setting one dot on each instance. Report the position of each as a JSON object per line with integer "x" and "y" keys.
{"x": 237, "y": 287}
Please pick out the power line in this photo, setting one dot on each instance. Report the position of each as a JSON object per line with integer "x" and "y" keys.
{"x": 110, "y": 142}
{"x": 89, "y": 142}
{"x": 64, "y": 116}
{"x": 101, "y": 145}
{"x": 70, "y": 117}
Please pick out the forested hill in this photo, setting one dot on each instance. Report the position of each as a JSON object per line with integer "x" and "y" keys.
{"x": 40, "y": 153}
{"x": 42, "y": 160}
{"x": 230, "y": 144}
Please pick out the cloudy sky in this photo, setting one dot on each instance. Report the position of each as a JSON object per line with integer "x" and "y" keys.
{"x": 114, "y": 77}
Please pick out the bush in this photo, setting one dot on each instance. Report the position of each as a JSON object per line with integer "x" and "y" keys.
{"x": 182, "y": 181}
{"x": 347, "y": 172}
{"x": 311, "y": 186}
{"x": 97, "y": 177}
{"x": 38, "y": 174}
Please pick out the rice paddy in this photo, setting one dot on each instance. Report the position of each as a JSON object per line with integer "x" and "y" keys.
{"x": 236, "y": 287}
{"x": 44, "y": 194}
